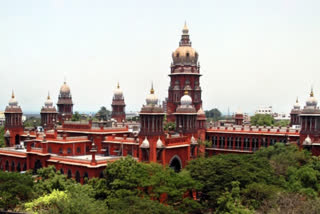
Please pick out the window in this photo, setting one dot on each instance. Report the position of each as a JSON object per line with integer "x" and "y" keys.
{"x": 69, "y": 151}
{"x": 60, "y": 150}
{"x": 50, "y": 149}
{"x": 188, "y": 54}
{"x": 78, "y": 149}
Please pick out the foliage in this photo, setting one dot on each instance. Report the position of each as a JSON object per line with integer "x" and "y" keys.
{"x": 76, "y": 116}
{"x": 2, "y": 142}
{"x": 282, "y": 123}
{"x": 170, "y": 126}
{"x": 15, "y": 188}
{"x": 103, "y": 113}
{"x": 32, "y": 122}
{"x": 229, "y": 202}
{"x": 262, "y": 120}
{"x": 213, "y": 114}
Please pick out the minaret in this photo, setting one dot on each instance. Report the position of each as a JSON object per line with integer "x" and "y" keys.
{"x": 151, "y": 130}
{"x": 48, "y": 114}
{"x": 65, "y": 104}
{"x": 118, "y": 105}
{"x": 184, "y": 76}
{"x": 186, "y": 116}
{"x": 13, "y": 122}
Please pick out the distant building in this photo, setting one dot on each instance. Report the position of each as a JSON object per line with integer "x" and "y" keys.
{"x": 264, "y": 110}
{"x": 2, "y": 118}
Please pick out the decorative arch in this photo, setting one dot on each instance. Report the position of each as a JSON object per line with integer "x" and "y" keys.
{"x": 175, "y": 163}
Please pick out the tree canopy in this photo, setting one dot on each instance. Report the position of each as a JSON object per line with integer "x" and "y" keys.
{"x": 2, "y": 142}
{"x": 213, "y": 114}
{"x": 103, "y": 113}
{"x": 262, "y": 120}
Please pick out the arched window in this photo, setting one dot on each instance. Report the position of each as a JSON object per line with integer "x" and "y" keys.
{"x": 13, "y": 166}
{"x": 85, "y": 177}
{"x": 77, "y": 176}
{"x": 61, "y": 171}
{"x": 50, "y": 149}
{"x": 69, "y": 151}
{"x": 7, "y": 165}
{"x": 60, "y": 151}
{"x": 175, "y": 163}
{"x": 78, "y": 149}
{"x": 69, "y": 173}
{"x": 24, "y": 167}
{"x": 188, "y": 54}
{"x": 18, "y": 167}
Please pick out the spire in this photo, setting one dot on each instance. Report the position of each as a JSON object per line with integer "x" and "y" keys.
{"x": 185, "y": 28}
{"x": 12, "y": 96}
{"x": 297, "y": 101}
{"x": 118, "y": 86}
{"x": 185, "y": 40}
{"x": 48, "y": 98}
{"x": 152, "y": 90}
{"x": 65, "y": 79}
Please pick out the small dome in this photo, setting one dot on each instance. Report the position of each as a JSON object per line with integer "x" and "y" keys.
{"x": 48, "y": 102}
{"x": 307, "y": 141}
{"x": 200, "y": 111}
{"x": 152, "y": 99}
{"x": 13, "y": 101}
{"x": 296, "y": 105}
{"x": 159, "y": 144}
{"x": 312, "y": 101}
{"x": 65, "y": 89}
{"x": 7, "y": 134}
{"x": 145, "y": 144}
{"x": 193, "y": 140}
{"x": 186, "y": 100}
{"x": 118, "y": 92}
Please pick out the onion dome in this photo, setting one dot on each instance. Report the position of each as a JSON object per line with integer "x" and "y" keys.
{"x": 296, "y": 105}
{"x": 48, "y": 102}
{"x": 145, "y": 144}
{"x": 152, "y": 99}
{"x": 307, "y": 141}
{"x": 186, "y": 100}
{"x": 312, "y": 101}
{"x": 13, "y": 101}
{"x": 193, "y": 141}
{"x": 65, "y": 89}
{"x": 159, "y": 144}
{"x": 118, "y": 92}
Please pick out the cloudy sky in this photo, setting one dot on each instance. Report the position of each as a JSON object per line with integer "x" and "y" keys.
{"x": 252, "y": 53}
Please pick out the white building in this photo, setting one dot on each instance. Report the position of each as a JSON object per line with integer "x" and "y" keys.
{"x": 264, "y": 110}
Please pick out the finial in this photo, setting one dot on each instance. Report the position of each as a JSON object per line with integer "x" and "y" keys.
{"x": 118, "y": 86}
{"x": 152, "y": 90}
{"x": 65, "y": 79}
{"x": 186, "y": 92}
{"x": 185, "y": 27}
{"x": 297, "y": 101}
{"x": 311, "y": 93}
{"x": 12, "y": 96}
{"x": 48, "y": 95}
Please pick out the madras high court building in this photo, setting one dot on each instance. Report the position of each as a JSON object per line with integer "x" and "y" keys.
{"x": 82, "y": 150}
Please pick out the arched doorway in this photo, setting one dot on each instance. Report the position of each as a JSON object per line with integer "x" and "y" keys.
{"x": 13, "y": 168}
{"x": 37, "y": 165}
{"x": 61, "y": 171}
{"x": 175, "y": 163}
{"x": 78, "y": 176}
{"x": 24, "y": 167}
{"x": 17, "y": 139}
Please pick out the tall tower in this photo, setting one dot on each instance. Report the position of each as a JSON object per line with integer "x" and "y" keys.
{"x": 184, "y": 76}
{"x": 118, "y": 105}
{"x": 295, "y": 115}
{"x": 48, "y": 114}
{"x": 13, "y": 123}
{"x": 238, "y": 118}
{"x": 65, "y": 104}
{"x": 151, "y": 133}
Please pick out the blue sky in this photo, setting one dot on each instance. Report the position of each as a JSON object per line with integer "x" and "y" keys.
{"x": 252, "y": 53}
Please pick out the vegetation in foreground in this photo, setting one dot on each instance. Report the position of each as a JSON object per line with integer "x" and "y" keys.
{"x": 278, "y": 179}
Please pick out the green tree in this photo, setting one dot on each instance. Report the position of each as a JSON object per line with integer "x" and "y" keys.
{"x": 213, "y": 114}
{"x": 2, "y": 142}
{"x": 103, "y": 113}
{"x": 282, "y": 123}
{"x": 32, "y": 122}
{"x": 170, "y": 126}
{"x": 15, "y": 188}
{"x": 262, "y": 120}
{"x": 76, "y": 116}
